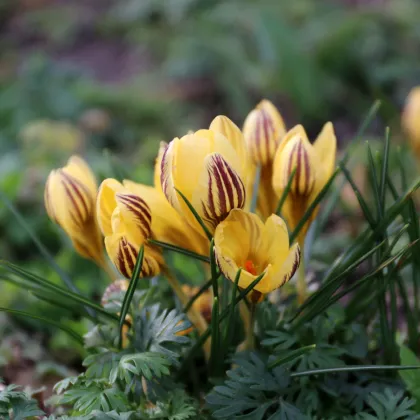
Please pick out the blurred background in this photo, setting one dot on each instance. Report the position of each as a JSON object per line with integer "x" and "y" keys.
{"x": 109, "y": 79}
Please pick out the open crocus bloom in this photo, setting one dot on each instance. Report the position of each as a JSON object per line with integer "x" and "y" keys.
{"x": 207, "y": 169}
{"x": 243, "y": 241}
{"x": 70, "y": 194}
{"x": 125, "y": 220}
{"x": 314, "y": 166}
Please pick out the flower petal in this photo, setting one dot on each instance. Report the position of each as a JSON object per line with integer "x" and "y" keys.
{"x": 106, "y": 204}
{"x": 263, "y": 131}
{"x": 158, "y": 166}
{"x": 135, "y": 215}
{"x": 68, "y": 201}
{"x": 124, "y": 255}
{"x": 275, "y": 241}
{"x": 219, "y": 191}
{"x": 297, "y": 154}
{"x": 80, "y": 170}
{"x": 325, "y": 147}
{"x": 167, "y": 224}
{"x": 280, "y": 273}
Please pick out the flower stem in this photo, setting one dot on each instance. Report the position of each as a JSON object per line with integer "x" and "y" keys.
{"x": 301, "y": 280}
{"x": 195, "y": 316}
{"x": 248, "y": 316}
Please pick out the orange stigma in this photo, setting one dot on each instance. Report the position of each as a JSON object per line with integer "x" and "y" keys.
{"x": 250, "y": 267}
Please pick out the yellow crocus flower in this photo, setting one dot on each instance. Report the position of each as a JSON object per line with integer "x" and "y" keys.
{"x": 167, "y": 225}
{"x": 70, "y": 194}
{"x": 242, "y": 240}
{"x": 125, "y": 220}
{"x": 411, "y": 119}
{"x": 205, "y": 167}
{"x": 263, "y": 131}
{"x": 314, "y": 166}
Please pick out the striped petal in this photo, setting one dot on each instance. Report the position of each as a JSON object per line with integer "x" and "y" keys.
{"x": 78, "y": 168}
{"x": 219, "y": 191}
{"x": 167, "y": 224}
{"x": 69, "y": 197}
{"x": 158, "y": 166}
{"x": 167, "y": 175}
{"x": 106, "y": 204}
{"x": 135, "y": 214}
{"x": 297, "y": 154}
{"x": 263, "y": 131}
{"x": 123, "y": 254}
{"x": 68, "y": 201}
{"x": 325, "y": 147}
{"x": 280, "y": 274}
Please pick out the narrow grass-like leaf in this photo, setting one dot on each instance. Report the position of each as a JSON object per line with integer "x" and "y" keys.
{"x": 313, "y": 206}
{"x": 230, "y": 320}
{"x": 313, "y": 312}
{"x": 363, "y": 205}
{"x": 322, "y": 220}
{"x": 196, "y": 215}
{"x": 361, "y": 368}
{"x": 332, "y": 282}
{"x": 201, "y": 340}
{"x": 293, "y": 355}
{"x": 215, "y": 358}
{"x": 42, "y": 249}
{"x": 384, "y": 169}
{"x": 214, "y": 271}
{"x": 49, "y": 321}
{"x": 130, "y": 292}
{"x": 285, "y": 192}
{"x": 180, "y": 250}
{"x": 45, "y": 284}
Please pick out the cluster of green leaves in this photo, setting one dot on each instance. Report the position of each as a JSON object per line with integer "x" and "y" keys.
{"x": 16, "y": 404}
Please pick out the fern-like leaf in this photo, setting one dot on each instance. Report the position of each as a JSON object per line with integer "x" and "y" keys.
{"x": 148, "y": 365}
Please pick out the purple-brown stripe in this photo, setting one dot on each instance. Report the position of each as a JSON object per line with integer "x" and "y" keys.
{"x": 77, "y": 188}
{"x": 78, "y": 219}
{"x": 298, "y": 167}
{"x": 268, "y": 131}
{"x": 139, "y": 208}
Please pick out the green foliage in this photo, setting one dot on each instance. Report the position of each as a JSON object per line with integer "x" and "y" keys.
{"x": 17, "y": 405}
{"x": 387, "y": 406}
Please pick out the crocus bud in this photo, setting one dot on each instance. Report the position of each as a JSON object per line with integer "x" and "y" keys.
{"x": 125, "y": 220}
{"x": 263, "y": 130}
{"x": 70, "y": 194}
{"x": 206, "y": 169}
{"x": 411, "y": 119}
{"x": 314, "y": 165}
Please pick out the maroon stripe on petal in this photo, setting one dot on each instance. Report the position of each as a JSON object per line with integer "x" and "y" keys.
{"x": 121, "y": 260}
{"x": 298, "y": 166}
{"x": 140, "y": 210}
{"x": 224, "y": 174}
{"x": 268, "y": 130}
{"x": 217, "y": 176}
{"x": 239, "y": 187}
{"x": 78, "y": 219}
{"x": 77, "y": 186}
{"x": 139, "y": 203}
{"x": 289, "y": 165}
{"x": 128, "y": 256}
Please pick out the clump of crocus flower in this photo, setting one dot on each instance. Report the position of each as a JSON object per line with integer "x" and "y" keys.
{"x": 218, "y": 186}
